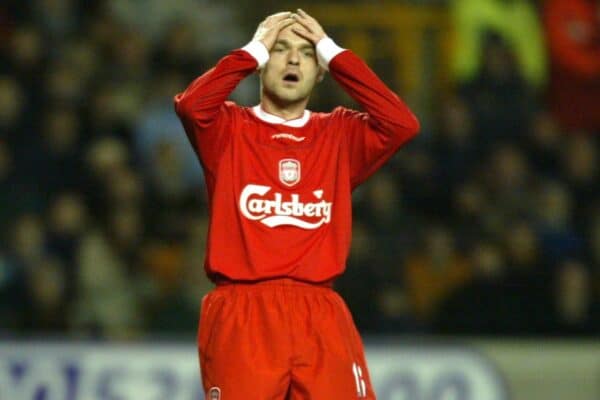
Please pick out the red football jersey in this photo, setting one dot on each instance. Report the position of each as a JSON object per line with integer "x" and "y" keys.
{"x": 280, "y": 191}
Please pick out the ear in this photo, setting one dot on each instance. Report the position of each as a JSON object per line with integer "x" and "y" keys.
{"x": 321, "y": 74}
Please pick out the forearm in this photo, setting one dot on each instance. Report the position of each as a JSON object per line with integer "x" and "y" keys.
{"x": 387, "y": 113}
{"x": 203, "y": 98}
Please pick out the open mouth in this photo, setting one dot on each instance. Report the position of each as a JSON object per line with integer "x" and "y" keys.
{"x": 291, "y": 77}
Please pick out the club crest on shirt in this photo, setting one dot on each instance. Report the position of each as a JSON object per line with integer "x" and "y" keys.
{"x": 289, "y": 171}
{"x": 214, "y": 393}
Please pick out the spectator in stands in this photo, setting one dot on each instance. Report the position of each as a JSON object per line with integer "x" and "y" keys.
{"x": 125, "y": 232}
{"x": 384, "y": 211}
{"x": 377, "y": 251}
{"x": 162, "y": 150}
{"x": 110, "y": 299}
{"x": 28, "y": 244}
{"x": 527, "y": 282}
{"x": 10, "y": 201}
{"x": 573, "y": 36}
{"x": 67, "y": 222}
{"x": 499, "y": 97}
{"x": 63, "y": 84}
{"x": 13, "y": 296}
{"x": 498, "y": 63}
{"x": 470, "y": 207}
{"x": 508, "y": 185}
{"x": 558, "y": 238}
{"x": 177, "y": 50}
{"x": 84, "y": 56}
{"x": 434, "y": 271}
{"x": 393, "y": 312}
{"x": 12, "y": 107}
{"x": 361, "y": 282}
{"x": 177, "y": 282}
{"x": 105, "y": 157}
{"x": 47, "y": 310}
{"x": 593, "y": 242}
{"x": 480, "y": 306}
{"x": 580, "y": 172}
{"x": 543, "y": 143}
{"x": 58, "y": 18}
{"x": 57, "y": 152}
{"x": 522, "y": 248}
{"x": 43, "y": 297}
{"x": 514, "y": 22}
{"x": 455, "y": 146}
{"x": 107, "y": 113}
{"x": 416, "y": 170}
{"x": 172, "y": 196}
{"x": 24, "y": 56}
{"x": 574, "y": 308}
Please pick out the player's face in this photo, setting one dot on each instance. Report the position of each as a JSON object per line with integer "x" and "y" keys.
{"x": 292, "y": 70}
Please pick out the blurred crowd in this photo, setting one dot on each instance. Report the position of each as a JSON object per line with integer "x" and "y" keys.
{"x": 487, "y": 224}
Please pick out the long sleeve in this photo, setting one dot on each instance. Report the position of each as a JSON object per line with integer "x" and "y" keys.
{"x": 374, "y": 135}
{"x": 203, "y": 109}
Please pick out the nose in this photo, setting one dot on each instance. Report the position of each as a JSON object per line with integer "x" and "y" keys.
{"x": 293, "y": 57}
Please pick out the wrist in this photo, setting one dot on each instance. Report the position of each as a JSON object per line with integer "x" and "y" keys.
{"x": 258, "y": 51}
{"x": 327, "y": 49}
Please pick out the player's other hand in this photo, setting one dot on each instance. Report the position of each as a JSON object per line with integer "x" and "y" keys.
{"x": 268, "y": 30}
{"x": 308, "y": 27}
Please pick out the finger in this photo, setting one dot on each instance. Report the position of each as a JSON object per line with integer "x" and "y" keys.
{"x": 304, "y": 34}
{"x": 304, "y": 14}
{"x": 274, "y": 20}
{"x": 301, "y": 16}
{"x": 302, "y": 21}
{"x": 279, "y": 16}
{"x": 285, "y": 23}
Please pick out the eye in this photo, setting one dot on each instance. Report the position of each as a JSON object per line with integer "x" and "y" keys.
{"x": 308, "y": 53}
{"x": 278, "y": 49}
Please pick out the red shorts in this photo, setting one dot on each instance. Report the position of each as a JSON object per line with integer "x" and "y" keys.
{"x": 280, "y": 340}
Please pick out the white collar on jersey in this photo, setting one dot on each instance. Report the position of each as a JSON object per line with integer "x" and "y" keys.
{"x": 274, "y": 119}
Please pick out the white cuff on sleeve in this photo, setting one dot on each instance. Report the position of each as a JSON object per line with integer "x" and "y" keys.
{"x": 326, "y": 50}
{"x": 257, "y": 50}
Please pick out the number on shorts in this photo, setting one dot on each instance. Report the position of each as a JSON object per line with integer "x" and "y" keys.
{"x": 361, "y": 390}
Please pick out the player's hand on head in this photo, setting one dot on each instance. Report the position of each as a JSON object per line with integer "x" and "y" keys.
{"x": 268, "y": 29}
{"x": 308, "y": 27}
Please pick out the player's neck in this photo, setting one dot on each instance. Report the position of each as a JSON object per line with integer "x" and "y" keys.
{"x": 288, "y": 111}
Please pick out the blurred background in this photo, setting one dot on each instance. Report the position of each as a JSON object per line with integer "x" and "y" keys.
{"x": 483, "y": 231}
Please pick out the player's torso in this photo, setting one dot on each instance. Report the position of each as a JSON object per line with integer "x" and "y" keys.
{"x": 285, "y": 176}
{"x": 286, "y": 193}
